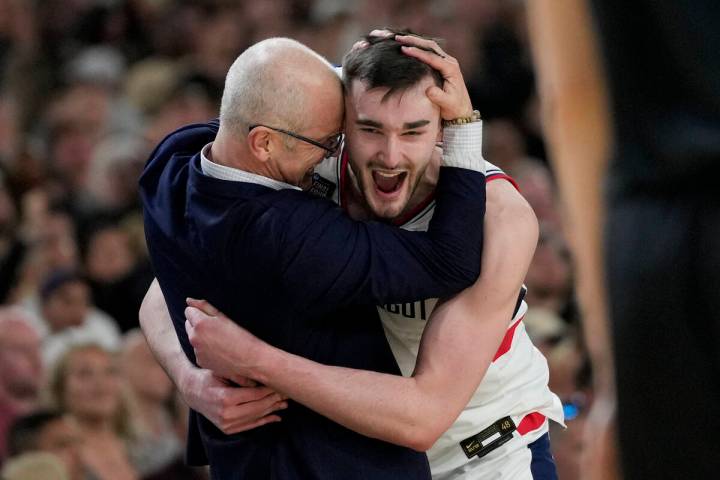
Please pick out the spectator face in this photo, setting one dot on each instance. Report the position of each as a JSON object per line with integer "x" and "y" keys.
{"x": 56, "y": 243}
{"x": 62, "y": 438}
{"x": 91, "y": 385}
{"x": 71, "y": 154}
{"x": 7, "y": 212}
{"x": 503, "y": 144}
{"x": 269, "y": 18}
{"x": 537, "y": 186}
{"x": 391, "y": 142}
{"x": 67, "y": 306}
{"x": 549, "y": 277}
{"x": 144, "y": 374}
{"x": 8, "y": 121}
{"x": 221, "y": 37}
{"x": 183, "y": 108}
{"x": 20, "y": 362}
{"x": 109, "y": 255}
{"x": 78, "y": 118}
{"x": 118, "y": 161}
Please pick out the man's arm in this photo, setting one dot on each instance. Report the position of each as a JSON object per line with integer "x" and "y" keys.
{"x": 576, "y": 119}
{"x": 411, "y": 411}
{"x": 231, "y": 409}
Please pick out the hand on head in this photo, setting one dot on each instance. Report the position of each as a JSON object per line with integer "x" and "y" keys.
{"x": 453, "y": 98}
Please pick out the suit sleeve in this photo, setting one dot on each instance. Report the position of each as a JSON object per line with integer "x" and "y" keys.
{"x": 328, "y": 260}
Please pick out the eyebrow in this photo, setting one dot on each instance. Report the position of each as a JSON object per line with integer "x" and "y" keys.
{"x": 369, "y": 123}
{"x": 406, "y": 126}
{"x": 414, "y": 125}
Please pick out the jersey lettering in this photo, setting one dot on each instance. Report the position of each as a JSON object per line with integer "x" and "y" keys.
{"x": 407, "y": 310}
{"x": 322, "y": 187}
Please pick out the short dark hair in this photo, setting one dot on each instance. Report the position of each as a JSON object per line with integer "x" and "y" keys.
{"x": 383, "y": 64}
{"x": 57, "y": 279}
{"x": 24, "y": 432}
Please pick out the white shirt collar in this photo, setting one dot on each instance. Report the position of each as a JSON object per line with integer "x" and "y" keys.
{"x": 215, "y": 170}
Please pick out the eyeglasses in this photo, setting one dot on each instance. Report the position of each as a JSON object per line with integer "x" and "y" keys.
{"x": 330, "y": 146}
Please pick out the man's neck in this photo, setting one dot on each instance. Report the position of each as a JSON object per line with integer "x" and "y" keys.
{"x": 229, "y": 153}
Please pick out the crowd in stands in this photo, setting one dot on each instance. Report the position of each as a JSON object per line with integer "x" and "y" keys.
{"x": 87, "y": 88}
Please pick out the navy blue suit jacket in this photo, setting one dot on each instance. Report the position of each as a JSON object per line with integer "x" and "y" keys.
{"x": 297, "y": 272}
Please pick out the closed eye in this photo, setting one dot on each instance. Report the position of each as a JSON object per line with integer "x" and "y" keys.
{"x": 370, "y": 130}
{"x": 413, "y": 133}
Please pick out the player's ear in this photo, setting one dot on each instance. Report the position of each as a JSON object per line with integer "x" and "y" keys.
{"x": 261, "y": 143}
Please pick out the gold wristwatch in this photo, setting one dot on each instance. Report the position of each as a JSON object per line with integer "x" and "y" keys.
{"x": 474, "y": 117}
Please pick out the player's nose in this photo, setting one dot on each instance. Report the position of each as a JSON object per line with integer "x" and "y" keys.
{"x": 390, "y": 155}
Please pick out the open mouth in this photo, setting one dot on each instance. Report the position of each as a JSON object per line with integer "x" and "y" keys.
{"x": 388, "y": 182}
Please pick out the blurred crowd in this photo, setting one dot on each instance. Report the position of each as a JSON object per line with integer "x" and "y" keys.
{"x": 87, "y": 88}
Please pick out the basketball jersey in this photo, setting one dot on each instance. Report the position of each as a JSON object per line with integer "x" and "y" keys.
{"x": 516, "y": 382}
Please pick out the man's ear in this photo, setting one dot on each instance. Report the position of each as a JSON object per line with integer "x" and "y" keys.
{"x": 260, "y": 142}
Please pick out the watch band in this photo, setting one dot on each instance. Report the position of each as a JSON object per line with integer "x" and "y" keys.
{"x": 474, "y": 117}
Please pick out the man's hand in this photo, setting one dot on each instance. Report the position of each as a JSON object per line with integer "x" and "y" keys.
{"x": 230, "y": 408}
{"x": 217, "y": 340}
{"x": 453, "y": 98}
{"x": 220, "y": 344}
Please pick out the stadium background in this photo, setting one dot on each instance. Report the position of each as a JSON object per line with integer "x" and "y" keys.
{"x": 88, "y": 87}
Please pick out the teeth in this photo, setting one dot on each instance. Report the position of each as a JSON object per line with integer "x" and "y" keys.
{"x": 388, "y": 175}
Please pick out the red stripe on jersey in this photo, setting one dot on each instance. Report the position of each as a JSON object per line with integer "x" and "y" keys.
{"x": 502, "y": 176}
{"x": 530, "y": 422}
{"x": 410, "y": 214}
{"x": 507, "y": 340}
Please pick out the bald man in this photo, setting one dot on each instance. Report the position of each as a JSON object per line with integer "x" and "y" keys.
{"x": 231, "y": 224}
{"x": 21, "y": 372}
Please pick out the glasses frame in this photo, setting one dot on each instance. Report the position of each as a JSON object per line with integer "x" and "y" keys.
{"x": 330, "y": 150}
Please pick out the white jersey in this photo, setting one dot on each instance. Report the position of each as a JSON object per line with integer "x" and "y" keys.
{"x": 516, "y": 383}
